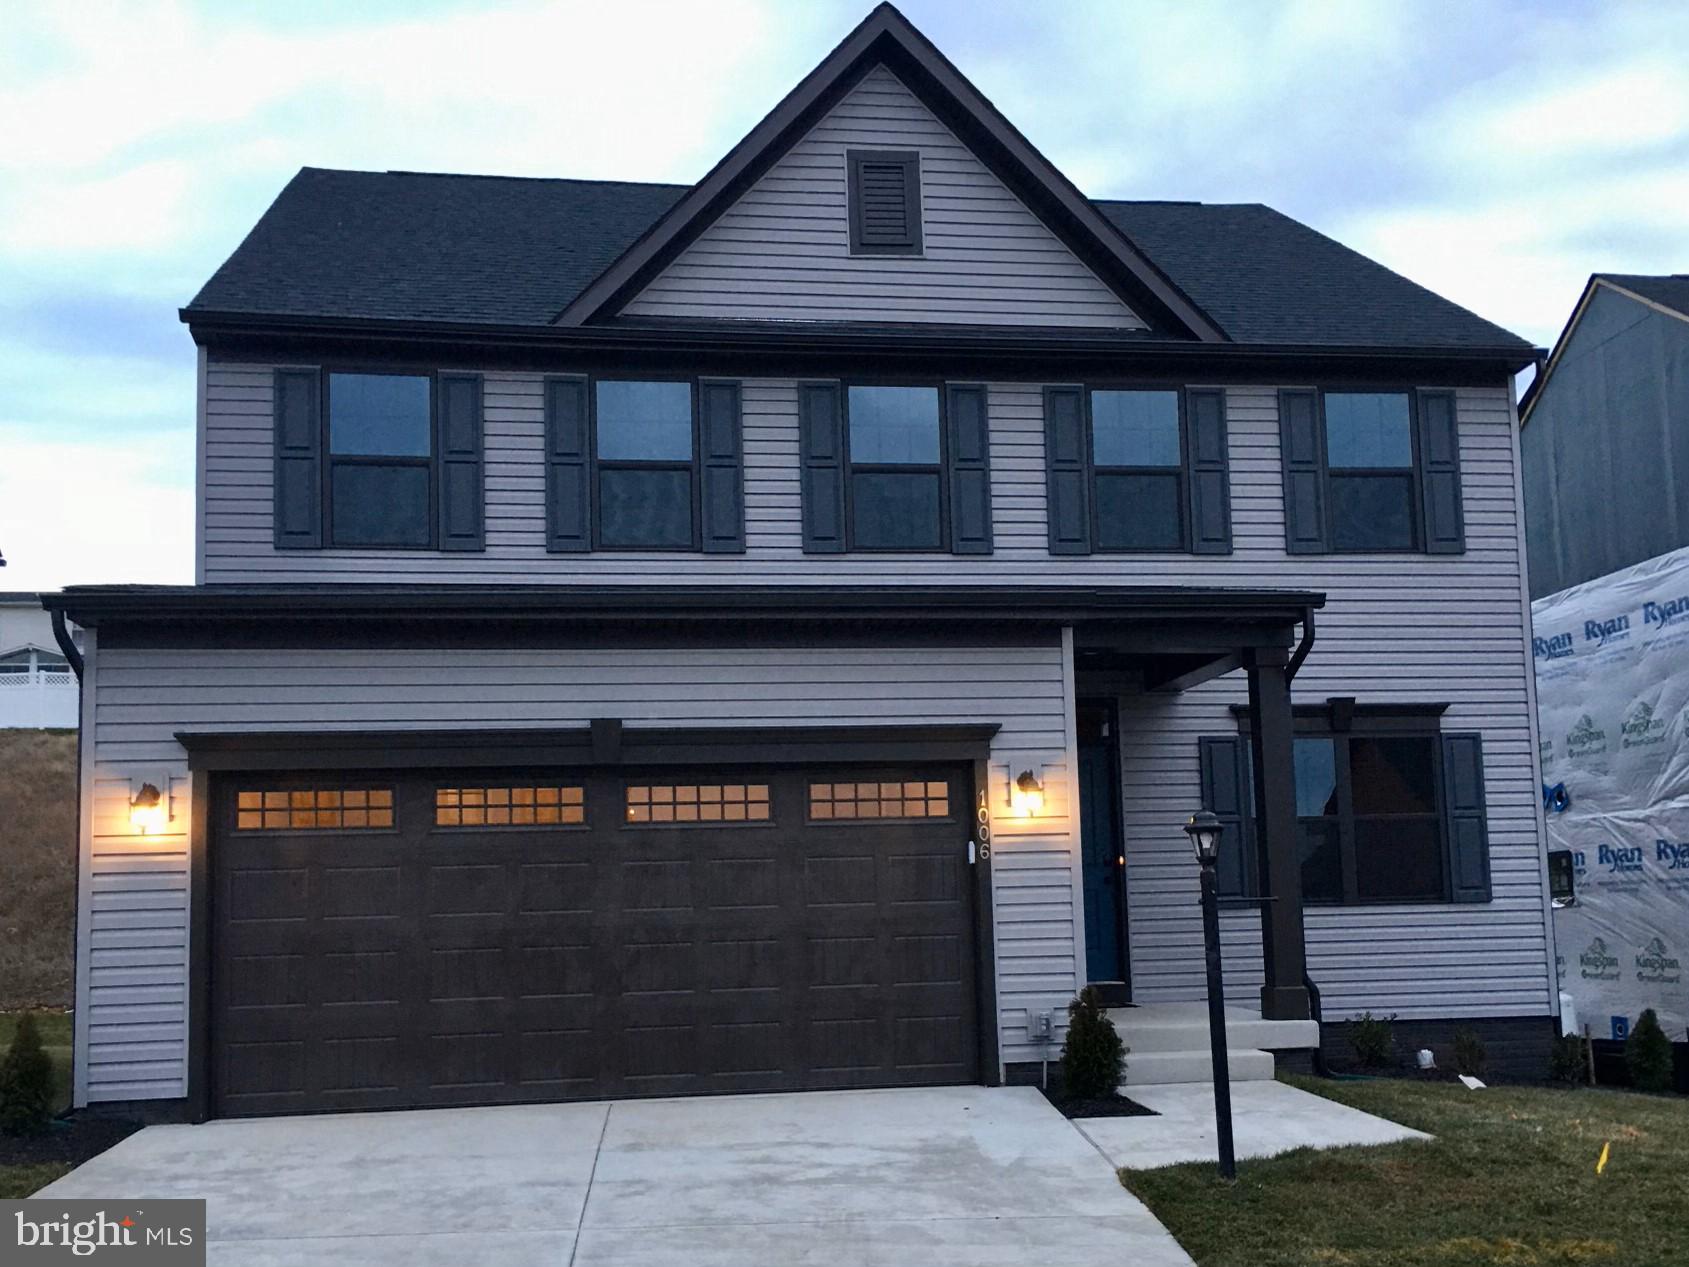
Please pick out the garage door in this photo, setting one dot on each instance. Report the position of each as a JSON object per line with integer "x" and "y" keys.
{"x": 437, "y": 938}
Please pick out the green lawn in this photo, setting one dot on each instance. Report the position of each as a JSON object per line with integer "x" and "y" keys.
{"x": 1510, "y": 1179}
{"x": 20, "y": 1181}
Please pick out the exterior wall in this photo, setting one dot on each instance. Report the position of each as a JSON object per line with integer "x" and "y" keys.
{"x": 782, "y": 251}
{"x": 35, "y": 700}
{"x": 1396, "y": 629}
{"x": 132, "y": 954}
{"x": 1606, "y": 451}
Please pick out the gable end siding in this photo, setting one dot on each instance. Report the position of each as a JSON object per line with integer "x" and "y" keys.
{"x": 782, "y": 252}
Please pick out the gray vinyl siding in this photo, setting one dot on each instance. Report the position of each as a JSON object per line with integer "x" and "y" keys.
{"x": 783, "y": 250}
{"x": 1606, "y": 449}
{"x": 132, "y": 957}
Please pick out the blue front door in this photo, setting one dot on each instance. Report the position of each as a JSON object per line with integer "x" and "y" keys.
{"x": 1101, "y": 847}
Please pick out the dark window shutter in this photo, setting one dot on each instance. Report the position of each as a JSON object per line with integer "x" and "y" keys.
{"x": 1439, "y": 474}
{"x": 821, "y": 450}
{"x": 462, "y": 495}
{"x": 1227, "y": 793}
{"x": 568, "y": 463}
{"x": 1206, "y": 471}
{"x": 721, "y": 468}
{"x": 298, "y": 488}
{"x": 884, "y": 188}
{"x": 1066, "y": 470}
{"x": 970, "y": 469}
{"x": 1465, "y": 821}
{"x": 1302, "y": 446}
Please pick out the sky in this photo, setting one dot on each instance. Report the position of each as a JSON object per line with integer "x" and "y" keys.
{"x": 1497, "y": 151}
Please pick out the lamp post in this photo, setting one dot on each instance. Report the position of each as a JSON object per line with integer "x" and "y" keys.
{"x": 1204, "y": 831}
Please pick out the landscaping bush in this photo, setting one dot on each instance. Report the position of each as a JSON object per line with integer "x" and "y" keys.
{"x": 1373, "y": 1041}
{"x": 1093, "y": 1059}
{"x": 1567, "y": 1062}
{"x": 1647, "y": 1054}
{"x": 26, "y": 1083}
{"x": 1469, "y": 1054}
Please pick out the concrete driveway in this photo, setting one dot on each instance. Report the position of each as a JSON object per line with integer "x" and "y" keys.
{"x": 987, "y": 1177}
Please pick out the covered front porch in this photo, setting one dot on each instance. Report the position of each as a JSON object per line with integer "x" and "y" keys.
{"x": 1142, "y": 770}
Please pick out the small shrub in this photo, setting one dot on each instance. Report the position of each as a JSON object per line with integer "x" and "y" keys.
{"x": 1566, "y": 1061}
{"x": 26, "y": 1083}
{"x": 1093, "y": 1059}
{"x": 1469, "y": 1054}
{"x": 1373, "y": 1041}
{"x": 1647, "y": 1054}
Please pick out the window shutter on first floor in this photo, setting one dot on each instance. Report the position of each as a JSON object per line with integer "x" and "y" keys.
{"x": 1206, "y": 471}
{"x": 821, "y": 456}
{"x": 462, "y": 496}
{"x": 970, "y": 469}
{"x": 568, "y": 461}
{"x": 298, "y": 491}
{"x": 1227, "y": 791}
{"x": 721, "y": 470}
{"x": 1439, "y": 460}
{"x": 1465, "y": 821}
{"x": 1067, "y": 483}
{"x": 1302, "y": 448}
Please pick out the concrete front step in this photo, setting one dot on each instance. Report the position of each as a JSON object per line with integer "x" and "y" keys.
{"x": 1155, "y": 1068}
{"x": 1183, "y": 1027}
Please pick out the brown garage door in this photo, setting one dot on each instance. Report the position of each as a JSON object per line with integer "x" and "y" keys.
{"x": 437, "y": 938}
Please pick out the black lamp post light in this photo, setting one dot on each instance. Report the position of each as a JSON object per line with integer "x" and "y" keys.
{"x": 1204, "y": 830}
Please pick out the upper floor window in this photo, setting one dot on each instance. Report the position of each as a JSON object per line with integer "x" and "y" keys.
{"x": 1370, "y": 471}
{"x": 896, "y": 454}
{"x": 884, "y": 195}
{"x": 646, "y": 450}
{"x": 381, "y": 460}
{"x": 374, "y": 460}
{"x": 1137, "y": 468}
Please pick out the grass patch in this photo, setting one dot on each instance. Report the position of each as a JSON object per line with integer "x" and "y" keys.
{"x": 38, "y": 860}
{"x": 1509, "y": 1180}
{"x": 18, "y": 1182}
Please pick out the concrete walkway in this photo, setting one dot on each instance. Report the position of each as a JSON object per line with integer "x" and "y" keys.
{"x": 1267, "y": 1118}
{"x": 986, "y": 1177}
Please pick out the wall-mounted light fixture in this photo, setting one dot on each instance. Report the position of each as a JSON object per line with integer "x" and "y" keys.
{"x": 1026, "y": 795}
{"x": 149, "y": 809}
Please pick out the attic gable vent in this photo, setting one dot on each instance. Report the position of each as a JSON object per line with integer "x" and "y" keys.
{"x": 885, "y": 202}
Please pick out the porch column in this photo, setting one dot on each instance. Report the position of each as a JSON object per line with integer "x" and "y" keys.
{"x": 1284, "y": 997}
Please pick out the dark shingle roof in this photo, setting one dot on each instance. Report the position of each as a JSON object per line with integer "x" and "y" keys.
{"x": 1269, "y": 279}
{"x": 1671, "y": 290}
{"x": 484, "y": 249}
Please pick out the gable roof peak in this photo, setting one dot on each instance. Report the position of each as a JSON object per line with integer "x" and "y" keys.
{"x": 886, "y": 37}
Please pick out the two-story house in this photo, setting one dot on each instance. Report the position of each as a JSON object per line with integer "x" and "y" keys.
{"x": 770, "y": 633}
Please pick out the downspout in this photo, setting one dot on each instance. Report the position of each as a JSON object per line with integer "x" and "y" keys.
{"x": 67, "y": 644}
{"x": 1296, "y": 659}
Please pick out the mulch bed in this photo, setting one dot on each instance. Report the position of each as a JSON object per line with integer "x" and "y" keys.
{"x": 1114, "y": 1106}
{"x": 72, "y": 1141}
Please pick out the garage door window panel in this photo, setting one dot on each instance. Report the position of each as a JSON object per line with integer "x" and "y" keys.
{"x": 523, "y": 805}
{"x": 898, "y": 800}
{"x": 685, "y": 804}
{"x": 315, "y": 809}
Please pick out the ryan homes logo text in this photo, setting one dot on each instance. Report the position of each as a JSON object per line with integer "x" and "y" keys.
{"x": 1604, "y": 633}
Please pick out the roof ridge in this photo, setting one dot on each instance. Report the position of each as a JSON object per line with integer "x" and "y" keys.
{"x": 546, "y": 180}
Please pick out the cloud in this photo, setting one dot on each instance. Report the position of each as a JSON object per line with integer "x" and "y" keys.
{"x": 80, "y": 512}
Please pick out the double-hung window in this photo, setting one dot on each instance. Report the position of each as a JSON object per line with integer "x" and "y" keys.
{"x": 380, "y": 460}
{"x": 1389, "y": 808}
{"x": 1374, "y": 470}
{"x": 896, "y": 456}
{"x": 1137, "y": 468}
{"x": 646, "y": 446}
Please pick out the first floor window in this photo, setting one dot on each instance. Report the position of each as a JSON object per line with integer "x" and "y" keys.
{"x": 646, "y": 445}
{"x": 1370, "y": 820}
{"x": 1372, "y": 475}
{"x": 380, "y": 460}
{"x": 896, "y": 453}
